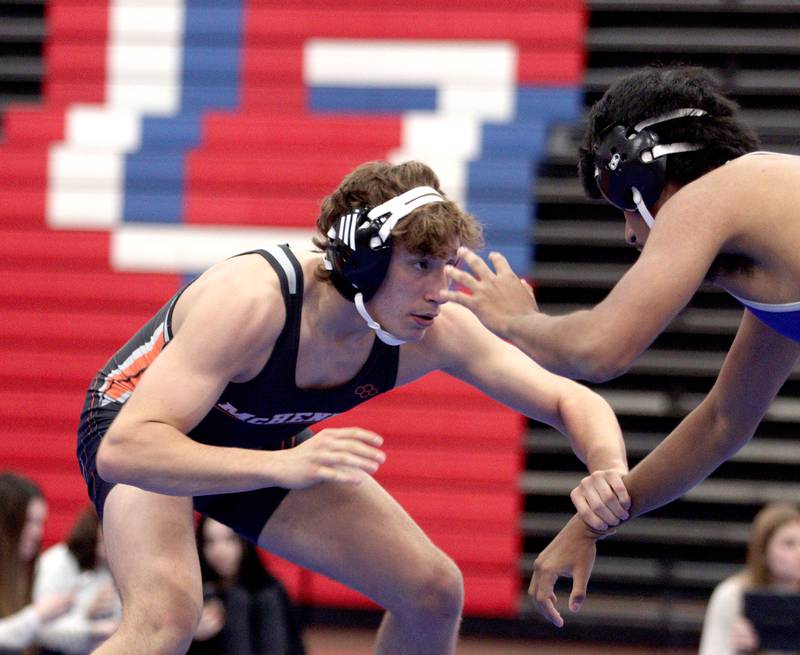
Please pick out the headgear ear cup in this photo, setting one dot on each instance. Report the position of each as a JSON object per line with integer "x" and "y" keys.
{"x": 358, "y": 265}
{"x": 360, "y": 246}
{"x": 631, "y": 165}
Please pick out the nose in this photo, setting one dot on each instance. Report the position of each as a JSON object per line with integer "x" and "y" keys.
{"x": 438, "y": 283}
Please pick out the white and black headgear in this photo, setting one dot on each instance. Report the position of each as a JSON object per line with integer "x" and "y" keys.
{"x": 360, "y": 248}
{"x": 630, "y": 163}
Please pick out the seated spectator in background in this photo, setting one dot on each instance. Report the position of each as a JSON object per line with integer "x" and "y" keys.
{"x": 23, "y": 512}
{"x": 246, "y": 610}
{"x": 773, "y": 562}
{"x": 80, "y": 564}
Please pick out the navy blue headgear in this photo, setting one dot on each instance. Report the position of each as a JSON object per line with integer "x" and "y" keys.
{"x": 360, "y": 242}
{"x": 630, "y": 165}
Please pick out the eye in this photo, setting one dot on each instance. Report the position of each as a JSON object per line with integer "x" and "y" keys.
{"x": 422, "y": 265}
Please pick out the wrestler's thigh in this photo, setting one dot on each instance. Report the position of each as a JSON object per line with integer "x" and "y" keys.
{"x": 151, "y": 549}
{"x": 357, "y": 534}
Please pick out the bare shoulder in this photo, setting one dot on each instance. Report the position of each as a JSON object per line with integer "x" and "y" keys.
{"x": 747, "y": 182}
{"x": 236, "y": 305}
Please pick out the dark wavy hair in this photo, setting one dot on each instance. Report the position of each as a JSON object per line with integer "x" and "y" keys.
{"x": 82, "y": 539}
{"x": 652, "y": 91}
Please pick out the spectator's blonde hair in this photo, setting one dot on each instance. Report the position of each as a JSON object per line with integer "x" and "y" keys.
{"x": 765, "y": 524}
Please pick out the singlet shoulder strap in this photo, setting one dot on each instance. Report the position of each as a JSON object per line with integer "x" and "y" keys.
{"x": 765, "y": 152}
{"x": 768, "y": 307}
{"x": 286, "y": 266}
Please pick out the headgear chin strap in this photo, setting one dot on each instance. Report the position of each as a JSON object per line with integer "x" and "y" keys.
{"x": 630, "y": 165}
{"x": 387, "y": 337}
{"x": 360, "y": 249}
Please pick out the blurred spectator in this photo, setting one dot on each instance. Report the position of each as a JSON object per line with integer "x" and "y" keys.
{"x": 79, "y": 563}
{"x": 23, "y": 512}
{"x": 773, "y": 562}
{"x": 246, "y": 611}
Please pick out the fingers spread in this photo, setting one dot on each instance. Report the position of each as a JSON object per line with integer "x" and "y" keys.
{"x": 500, "y": 263}
{"x": 461, "y": 277}
{"x": 475, "y": 263}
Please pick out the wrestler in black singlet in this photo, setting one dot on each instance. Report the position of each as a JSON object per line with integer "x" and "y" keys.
{"x": 268, "y": 412}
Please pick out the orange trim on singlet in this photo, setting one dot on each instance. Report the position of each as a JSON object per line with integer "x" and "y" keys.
{"x": 123, "y": 381}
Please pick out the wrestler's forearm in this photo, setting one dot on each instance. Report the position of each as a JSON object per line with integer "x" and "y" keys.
{"x": 573, "y": 345}
{"x": 161, "y": 459}
{"x": 697, "y": 446}
{"x": 593, "y": 430}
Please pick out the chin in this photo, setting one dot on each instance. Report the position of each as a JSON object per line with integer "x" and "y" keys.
{"x": 413, "y": 336}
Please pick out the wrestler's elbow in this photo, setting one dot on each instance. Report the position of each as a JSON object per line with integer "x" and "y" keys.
{"x": 729, "y": 431}
{"x": 599, "y": 362}
{"x": 115, "y": 461}
{"x": 725, "y": 428}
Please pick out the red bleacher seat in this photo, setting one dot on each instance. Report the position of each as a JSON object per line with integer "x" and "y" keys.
{"x": 25, "y": 126}
{"x": 64, "y": 330}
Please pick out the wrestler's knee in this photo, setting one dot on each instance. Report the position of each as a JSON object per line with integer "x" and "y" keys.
{"x": 439, "y": 588}
{"x": 166, "y": 621}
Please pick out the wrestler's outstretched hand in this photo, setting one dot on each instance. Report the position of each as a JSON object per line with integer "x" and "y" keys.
{"x": 331, "y": 455}
{"x": 496, "y": 296}
{"x": 602, "y": 499}
{"x": 571, "y": 554}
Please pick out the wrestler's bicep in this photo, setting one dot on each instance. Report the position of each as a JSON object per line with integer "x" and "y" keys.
{"x": 218, "y": 340}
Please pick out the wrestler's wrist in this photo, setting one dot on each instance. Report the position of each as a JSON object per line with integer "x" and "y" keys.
{"x": 601, "y": 460}
{"x": 594, "y": 533}
{"x": 518, "y": 327}
{"x": 276, "y": 469}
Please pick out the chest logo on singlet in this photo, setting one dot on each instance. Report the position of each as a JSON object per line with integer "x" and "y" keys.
{"x": 366, "y": 390}
{"x": 276, "y": 419}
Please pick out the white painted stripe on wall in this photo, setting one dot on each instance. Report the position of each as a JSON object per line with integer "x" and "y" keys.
{"x": 160, "y": 51}
{"x": 138, "y": 21}
{"x": 157, "y": 62}
{"x": 83, "y": 210}
{"x": 189, "y": 248}
{"x": 493, "y": 103}
{"x": 94, "y": 150}
{"x": 475, "y": 81}
{"x": 152, "y": 99}
{"x": 432, "y": 132}
{"x": 408, "y": 63}
{"x": 83, "y": 167}
{"x": 86, "y": 173}
{"x": 96, "y": 127}
{"x": 451, "y": 169}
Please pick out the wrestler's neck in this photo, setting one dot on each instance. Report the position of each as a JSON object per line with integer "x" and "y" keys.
{"x": 325, "y": 308}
